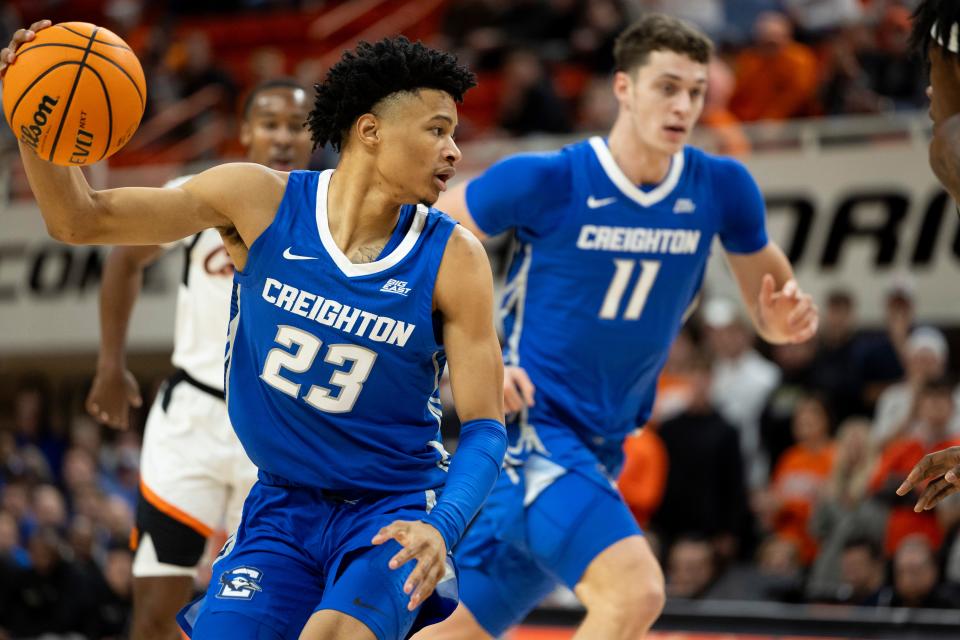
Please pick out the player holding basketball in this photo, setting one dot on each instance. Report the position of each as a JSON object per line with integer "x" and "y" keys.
{"x": 936, "y": 33}
{"x": 349, "y": 297}
{"x": 193, "y": 472}
{"x": 603, "y": 277}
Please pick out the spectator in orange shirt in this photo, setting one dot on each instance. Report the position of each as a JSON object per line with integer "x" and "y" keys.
{"x": 723, "y": 126}
{"x": 935, "y": 411}
{"x": 802, "y": 474}
{"x": 777, "y": 76}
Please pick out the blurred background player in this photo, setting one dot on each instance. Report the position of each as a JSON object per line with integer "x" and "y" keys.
{"x": 613, "y": 237}
{"x": 345, "y": 534}
{"x": 194, "y": 472}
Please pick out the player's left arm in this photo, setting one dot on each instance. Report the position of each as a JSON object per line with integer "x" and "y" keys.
{"x": 781, "y": 312}
{"x": 464, "y": 297}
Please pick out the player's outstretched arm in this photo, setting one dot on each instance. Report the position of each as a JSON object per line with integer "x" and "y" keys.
{"x": 243, "y": 196}
{"x": 226, "y": 197}
{"x": 114, "y": 389}
{"x": 781, "y": 312}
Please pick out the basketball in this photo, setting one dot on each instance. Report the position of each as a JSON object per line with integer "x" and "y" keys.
{"x": 75, "y": 94}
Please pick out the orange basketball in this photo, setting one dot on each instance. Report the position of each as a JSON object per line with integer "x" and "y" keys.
{"x": 75, "y": 94}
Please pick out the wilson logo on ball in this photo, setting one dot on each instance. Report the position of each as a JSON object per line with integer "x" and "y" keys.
{"x": 30, "y": 134}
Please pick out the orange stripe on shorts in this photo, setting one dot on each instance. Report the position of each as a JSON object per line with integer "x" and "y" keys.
{"x": 174, "y": 512}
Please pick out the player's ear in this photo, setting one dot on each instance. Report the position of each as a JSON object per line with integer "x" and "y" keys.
{"x": 368, "y": 129}
{"x": 621, "y": 88}
{"x": 246, "y": 134}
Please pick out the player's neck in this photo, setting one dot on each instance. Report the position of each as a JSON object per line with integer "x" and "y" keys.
{"x": 641, "y": 163}
{"x": 361, "y": 215}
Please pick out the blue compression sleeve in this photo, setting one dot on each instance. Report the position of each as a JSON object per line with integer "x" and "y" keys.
{"x": 473, "y": 472}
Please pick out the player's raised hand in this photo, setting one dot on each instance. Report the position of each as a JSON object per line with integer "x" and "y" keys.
{"x": 517, "y": 390}
{"x": 8, "y": 54}
{"x": 788, "y": 315}
{"x": 423, "y": 543}
{"x": 113, "y": 392}
{"x": 944, "y": 467}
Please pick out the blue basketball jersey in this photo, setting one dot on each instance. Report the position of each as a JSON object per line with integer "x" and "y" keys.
{"x": 603, "y": 275}
{"x": 333, "y": 368}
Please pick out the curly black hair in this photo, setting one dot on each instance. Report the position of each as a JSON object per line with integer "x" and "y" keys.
{"x": 370, "y": 73}
{"x": 933, "y": 21}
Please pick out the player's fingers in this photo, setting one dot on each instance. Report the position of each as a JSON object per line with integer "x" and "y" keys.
{"x": 953, "y": 476}
{"x": 790, "y": 288}
{"x": 40, "y": 24}
{"x": 92, "y": 406}
{"x": 511, "y": 398}
{"x": 934, "y": 493}
{"x": 393, "y": 531}
{"x": 418, "y": 574}
{"x": 525, "y": 385}
{"x": 403, "y": 556}
{"x": 767, "y": 289}
{"x": 802, "y": 305}
{"x": 424, "y": 589}
{"x": 932, "y": 464}
{"x": 804, "y": 327}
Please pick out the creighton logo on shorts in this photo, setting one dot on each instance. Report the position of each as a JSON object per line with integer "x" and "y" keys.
{"x": 240, "y": 583}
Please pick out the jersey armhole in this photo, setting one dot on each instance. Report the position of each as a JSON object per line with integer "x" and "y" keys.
{"x": 279, "y": 225}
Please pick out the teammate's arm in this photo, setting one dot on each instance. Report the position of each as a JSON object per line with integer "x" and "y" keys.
{"x": 464, "y": 297}
{"x": 114, "y": 388}
{"x": 780, "y": 311}
{"x": 453, "y": 202}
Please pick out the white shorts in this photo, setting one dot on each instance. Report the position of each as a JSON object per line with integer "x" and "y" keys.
{"x": 194, "y": 477}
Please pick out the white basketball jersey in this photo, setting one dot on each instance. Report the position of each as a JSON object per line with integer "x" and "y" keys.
{"x": 203, "y": 306}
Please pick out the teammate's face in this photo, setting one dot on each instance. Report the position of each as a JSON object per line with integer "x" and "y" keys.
{"x": 663, "y": 99}
{"x": 415, "y": 154}
{"x": 944, "y": 89}
{"x": 273, "y": 132}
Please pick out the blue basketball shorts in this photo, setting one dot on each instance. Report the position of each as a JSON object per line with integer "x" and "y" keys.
{"x": 541, "y": 526}
{"x": 299, "y": 550}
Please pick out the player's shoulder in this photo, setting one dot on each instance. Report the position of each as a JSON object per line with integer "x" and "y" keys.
{"x": 173, "y": 183}
{"x": 540, "y": 167}
{"x": 717, "y": 166}
{"x": 463, "y": 249}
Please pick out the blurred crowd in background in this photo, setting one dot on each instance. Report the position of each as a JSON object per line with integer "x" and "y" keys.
{"x": 544, "y": 65}
{"x": 766, "y": 473}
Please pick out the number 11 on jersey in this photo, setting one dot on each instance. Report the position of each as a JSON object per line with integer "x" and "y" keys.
{"x": 618, "y": 286}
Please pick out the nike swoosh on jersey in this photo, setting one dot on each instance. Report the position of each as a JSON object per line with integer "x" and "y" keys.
{"x": 292, "y": 256}
{"x": 595, "y": 203}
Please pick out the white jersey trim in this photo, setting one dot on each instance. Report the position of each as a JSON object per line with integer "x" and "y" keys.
{"x": 623, "y": 183}
{"x": 349, "y": 268}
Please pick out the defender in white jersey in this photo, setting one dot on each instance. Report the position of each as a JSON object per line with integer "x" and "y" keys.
{"x": 194, "y": 473}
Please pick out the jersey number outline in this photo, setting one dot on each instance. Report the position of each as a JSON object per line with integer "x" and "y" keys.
{"x": 618, "y": 286}
{"x": 307, "y": 347}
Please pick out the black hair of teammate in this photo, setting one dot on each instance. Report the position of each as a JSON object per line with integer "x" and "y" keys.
{"x": 934, "y": 15}
{"x": 267, "y": 85}
{"x": 365, "y": 76}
